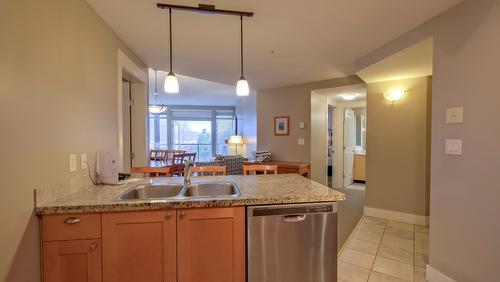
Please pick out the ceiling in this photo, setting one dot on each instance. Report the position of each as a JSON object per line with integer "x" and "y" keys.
{"x": 194, "y": 92}
{"x": 336, "y": 93}
{"x": 286, "y": 42}
{"x": 414, "y": 61}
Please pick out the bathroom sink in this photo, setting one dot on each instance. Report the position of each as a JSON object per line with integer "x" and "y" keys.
{"x": 152, "y": 191}
{"x": 211, "y": 189}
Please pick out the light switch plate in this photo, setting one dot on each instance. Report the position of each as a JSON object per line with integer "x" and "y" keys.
{"x": 83, "y": 160}
{"x": 455, "y": 115}
{"x": 302, "y": 125}
{"x": 301, "y": 141}
{"x": 454, "y": 146}
{"x": 72, "y": 162}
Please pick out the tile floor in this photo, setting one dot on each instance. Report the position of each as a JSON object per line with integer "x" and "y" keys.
{"x": 384, "y": 250}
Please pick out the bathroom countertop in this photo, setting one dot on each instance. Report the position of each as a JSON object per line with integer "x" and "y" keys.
{"x": 255, "y": 190}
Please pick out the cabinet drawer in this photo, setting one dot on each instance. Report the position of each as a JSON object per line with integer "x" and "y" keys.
{"x": 71, "y": 226}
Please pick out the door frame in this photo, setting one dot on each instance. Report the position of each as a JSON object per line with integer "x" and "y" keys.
{"x": 139, "y": 78}
{"x": 338, "y": 141}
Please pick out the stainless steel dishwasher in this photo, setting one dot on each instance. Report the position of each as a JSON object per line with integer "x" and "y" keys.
{"x": 292, "y": 243}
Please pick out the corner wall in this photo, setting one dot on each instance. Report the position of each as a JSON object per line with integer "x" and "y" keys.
{"x": 293, "y": 101}
{"x": 464, "y": 201}
{"x": 397, "y": 138}
{"x": 58, "y": 95}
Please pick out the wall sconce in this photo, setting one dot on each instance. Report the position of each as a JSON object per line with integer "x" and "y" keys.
{"x": 394, "y": 95}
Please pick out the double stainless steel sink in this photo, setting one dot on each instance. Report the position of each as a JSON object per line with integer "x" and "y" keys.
{"x": 153, "y": 191}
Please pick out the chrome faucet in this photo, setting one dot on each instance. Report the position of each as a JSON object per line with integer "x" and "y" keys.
{"x": 187, "y": 173}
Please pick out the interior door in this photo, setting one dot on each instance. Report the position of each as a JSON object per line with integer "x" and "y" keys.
{"x": 349, "y": 144}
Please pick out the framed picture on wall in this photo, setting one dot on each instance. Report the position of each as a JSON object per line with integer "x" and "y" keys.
{"x": 281, "y": 125}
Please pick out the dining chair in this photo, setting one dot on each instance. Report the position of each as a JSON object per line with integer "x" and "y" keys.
{"x": 209, "y": 170}
{"x": 169, "y": 155}
{"x": 152, "y": 171}
{"x": 259, "y": 169}
{"x": 179, "y": 161}
{"x": 156, "y": 155}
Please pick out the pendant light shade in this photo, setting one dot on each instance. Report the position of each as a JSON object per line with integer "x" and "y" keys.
{"x": 157, "y": 108}
{"x": 242, "y": 88}
{"x": 171, "y": 83}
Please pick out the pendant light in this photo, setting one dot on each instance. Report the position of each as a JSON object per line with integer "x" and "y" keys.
{"x": 242, "y": 88}
{"x": 171, "y": 82}
{"x": 157, "y": 108}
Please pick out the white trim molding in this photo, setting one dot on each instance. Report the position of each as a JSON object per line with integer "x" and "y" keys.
{"x": 434, "y": 275}
{"x": 397, "y": 216}
{"x": 124, "y": 63}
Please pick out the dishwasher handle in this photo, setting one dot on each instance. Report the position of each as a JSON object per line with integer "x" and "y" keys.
{"x": 294, "y": 218}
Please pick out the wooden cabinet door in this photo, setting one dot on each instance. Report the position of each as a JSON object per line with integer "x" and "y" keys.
{"x": 211, "y": 244}
{"x": 74, "y": 260}
{"x": 139, "y": 246}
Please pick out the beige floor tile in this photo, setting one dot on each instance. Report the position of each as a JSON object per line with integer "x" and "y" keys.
{"x": 374, "y": 220}
{"x": 399, "y": 233}
{"x": 379, "y": 229}
{"x": 352, "y": 273}
{"x": 369, "y": 236}
{"x": 398, "y": 242}
{"x": 357, "y": 258}
{"x": 422, "y": 247}
{"x": 421, "y": 259}
{"x": 363, "y": 246}
{"x": 395, "y": 253}
{"x": 419, "y": 274}
{"x": 380, "y": 277}
{"x": 401, "y": 225}
{"x": 394, "y": 268}
{"x": 422, "y": 229}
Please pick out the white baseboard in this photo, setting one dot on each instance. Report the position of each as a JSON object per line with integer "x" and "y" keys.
{"x": 433, "y": 275}
{"x": 397, "y": 216}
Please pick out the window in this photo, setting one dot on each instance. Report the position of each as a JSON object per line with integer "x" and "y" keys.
{"x": 192, "y": 128}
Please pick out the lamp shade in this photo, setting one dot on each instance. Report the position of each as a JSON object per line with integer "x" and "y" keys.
{"x": 156, "y": 109}
{"x": 235, "y": 139}
{"x": 394, "y": 95}
{"x": 171, "y": 83}
{"x": 242, "y": 88}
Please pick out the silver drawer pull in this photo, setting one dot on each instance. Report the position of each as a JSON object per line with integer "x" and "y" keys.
{"x": 71, "y": 220}
{"x": 294, "y": 218}
{"x": 93, "y": 247}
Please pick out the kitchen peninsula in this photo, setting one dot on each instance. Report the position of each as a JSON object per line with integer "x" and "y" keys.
{"x": 94, "y": 235}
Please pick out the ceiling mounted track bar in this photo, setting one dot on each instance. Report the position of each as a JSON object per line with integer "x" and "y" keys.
{"x": 203, "y": 8}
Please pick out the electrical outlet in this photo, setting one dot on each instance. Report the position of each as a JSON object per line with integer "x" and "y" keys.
{"x": 301, "y": 141}
{"x": 83, "y": 159}
{"x": 72, "y": 162}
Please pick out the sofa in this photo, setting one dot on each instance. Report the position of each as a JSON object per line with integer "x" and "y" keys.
{"x": 233, "y": 164}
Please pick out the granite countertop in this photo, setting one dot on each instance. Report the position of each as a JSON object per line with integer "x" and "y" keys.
{"x": 255, "y": 190}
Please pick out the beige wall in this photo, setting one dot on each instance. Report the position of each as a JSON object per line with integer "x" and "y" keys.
{"x": 464, "y": 233}
{"x": 58, "y": 95}
{"x": 319, "y": 138}
{"x": 293, "y": 101}
{"x": 397, "y": 138}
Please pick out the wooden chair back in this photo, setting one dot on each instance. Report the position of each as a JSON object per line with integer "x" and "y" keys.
{"x": 259, "y": 168}
{"x": 209, "y": 170}
{"x": 152, "y": 171}
{"x": 179, "y": 160}
{"x": 169, "y": 155}
{"x": 157, "y": 155}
